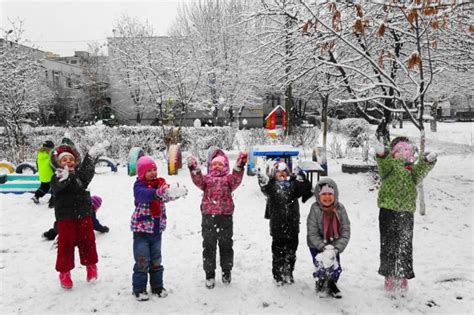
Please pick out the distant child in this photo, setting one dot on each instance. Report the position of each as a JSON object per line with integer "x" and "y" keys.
{"x": 96, "y": 202}
{"x": 329, "y": 231}
{"x": 45, "y": 172}
{"x": 283, "y": 211}
{"x": 217, "y": 208}
{"x": 73, "y": 210}
{"x": 148, "y": 223}
{"x": 400, "y": 173}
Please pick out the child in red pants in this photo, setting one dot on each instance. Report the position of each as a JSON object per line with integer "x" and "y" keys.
{"x": 73, "y": 210}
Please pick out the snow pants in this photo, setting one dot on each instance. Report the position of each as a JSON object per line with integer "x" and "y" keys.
{"x": 396, "y": 243}
{"x": 78, "y": 232}
{"x": 283, "y": 257}
{"x": 147, "y": 255}
{"x": 217, "y": 229}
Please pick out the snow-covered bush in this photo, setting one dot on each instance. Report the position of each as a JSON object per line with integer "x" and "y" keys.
{"x": 122, "y": 139}
{"x": 356, "y": 130}
{"x": 335, "y": 148}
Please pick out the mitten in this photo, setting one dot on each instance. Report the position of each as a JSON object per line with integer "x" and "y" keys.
{"x": 431, "y": 157}
{"x": 192, "y": 162}
{"x": 300, "y": 175}
{"x": 161, "y": 191}
{"x": 98, "y": 149}
{"x": 62, "y": 174}
{"x": 176, "y": 191}
{"x": 241, "y": 159}
{"x": 263, "y": 178}
{"x": 379, "y": 149}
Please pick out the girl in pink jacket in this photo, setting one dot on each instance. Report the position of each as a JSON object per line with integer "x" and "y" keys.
{"x": 217, "y": 208}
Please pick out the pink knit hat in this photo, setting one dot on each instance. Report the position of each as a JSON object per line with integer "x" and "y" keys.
{"x": 219, "y": 158}
{"x": 96, "y": 202}
{"x": 144, "y": 164}
{"x": 326, "y": 189}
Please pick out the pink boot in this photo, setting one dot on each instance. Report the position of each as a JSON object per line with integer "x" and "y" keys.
{"x": 389, "y": 284}
{"x": 404, "y": 285}
{"x": 91, "y": 273}
{"x": 65, "y": 280}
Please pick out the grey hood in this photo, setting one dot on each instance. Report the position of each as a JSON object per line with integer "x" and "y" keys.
{"x": 330, "y": 182}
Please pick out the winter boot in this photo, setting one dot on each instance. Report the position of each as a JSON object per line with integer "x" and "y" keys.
{"x": 226, "y": 277}
{"x": 50, "y": 234}
{"x": 389, "y": 284}
{"x": 65, "y": 280}
{"x": 210, "y": 279}
{"x": 141, "y": 295}
{"x": 333, "y": 290}
{"x": 91, "y": 273}
{"x": 321, "y": 286}
{"x": 51, "y": 202}
{"x": 35, "y": 199}
{"x": 289, "y": 278}
{"x": 403, "y": 285}
{"x": 160, "y": 292}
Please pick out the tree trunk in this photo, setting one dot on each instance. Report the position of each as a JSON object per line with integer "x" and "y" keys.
{"x": 434, "y": 111}
{"x": 289, "y": 111}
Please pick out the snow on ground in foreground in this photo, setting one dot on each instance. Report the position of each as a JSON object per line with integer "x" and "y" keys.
{"x": 443, "y": 250}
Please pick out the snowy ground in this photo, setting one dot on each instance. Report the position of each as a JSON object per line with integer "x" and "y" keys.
{"x": 443, "y": 249}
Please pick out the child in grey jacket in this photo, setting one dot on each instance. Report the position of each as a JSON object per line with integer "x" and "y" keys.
{"x": 329, "y": 232}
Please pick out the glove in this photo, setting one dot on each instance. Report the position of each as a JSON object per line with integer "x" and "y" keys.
{"x": 379, "y": 149}
{"x": 62, "y": 174}
{"x": 431, "y": 157}
{"x": 241, "y": 159}
{"x": 192, "y": 162}
{"x": 176, "y": 191}
{"x": 98, "y": 149}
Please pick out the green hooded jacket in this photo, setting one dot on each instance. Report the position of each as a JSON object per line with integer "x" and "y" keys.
{"x": 398, "y": 190}
{"x": 43, "y": 162}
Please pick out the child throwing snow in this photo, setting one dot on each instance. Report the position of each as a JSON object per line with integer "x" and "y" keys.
{"x": 148, "y": 223}
{"x": 73, "y": 210}
{"x": 283, "y": 210}
{"x": 329, "y": 231}
{"x": 45, "y": 172}
{"x": 217, "y": 208}
{"x": 400, "y": 172}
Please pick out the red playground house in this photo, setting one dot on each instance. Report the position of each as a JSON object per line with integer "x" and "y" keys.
{"x": 276, "y": 118}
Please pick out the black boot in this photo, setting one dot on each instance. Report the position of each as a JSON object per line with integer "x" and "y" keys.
{"x": 210, "y": 279}
{"x": 226, "y": 276}
{"x": 333, "y": 290}
{"x": 50, "y": 234}
{"x": 160, "y": 292}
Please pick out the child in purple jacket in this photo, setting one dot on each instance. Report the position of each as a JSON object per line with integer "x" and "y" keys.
{"x": 217, "y": 208}
{"x": 148, "y": 222}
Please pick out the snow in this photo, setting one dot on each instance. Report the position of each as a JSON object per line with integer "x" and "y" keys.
{"x": 443, "y": 243}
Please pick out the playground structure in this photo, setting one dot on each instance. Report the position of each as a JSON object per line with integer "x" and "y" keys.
{"x": 285, "y": 153}
{"x": 18, "y": 183}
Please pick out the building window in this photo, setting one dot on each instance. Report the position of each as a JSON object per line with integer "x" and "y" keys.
{"x": 73, "y": 62}
{"x": 69, "y": 83}
{"x": 56, "y": 77}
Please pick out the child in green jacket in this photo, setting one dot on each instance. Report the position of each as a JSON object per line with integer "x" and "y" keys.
{"x": 45, "y": 172}
{"x": 400, "y": 173}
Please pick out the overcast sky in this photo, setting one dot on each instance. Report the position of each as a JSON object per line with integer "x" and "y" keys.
{"x": 64, "y": 26}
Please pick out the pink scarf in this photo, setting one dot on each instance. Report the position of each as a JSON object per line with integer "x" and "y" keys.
{"x": 331, "y": 224}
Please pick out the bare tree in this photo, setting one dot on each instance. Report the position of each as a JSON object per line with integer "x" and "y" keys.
{"x": 22, "y": 87}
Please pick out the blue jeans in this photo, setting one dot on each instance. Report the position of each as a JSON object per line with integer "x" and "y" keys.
{"x": 147, "y": 255}
{"x": 323, "y": 273}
